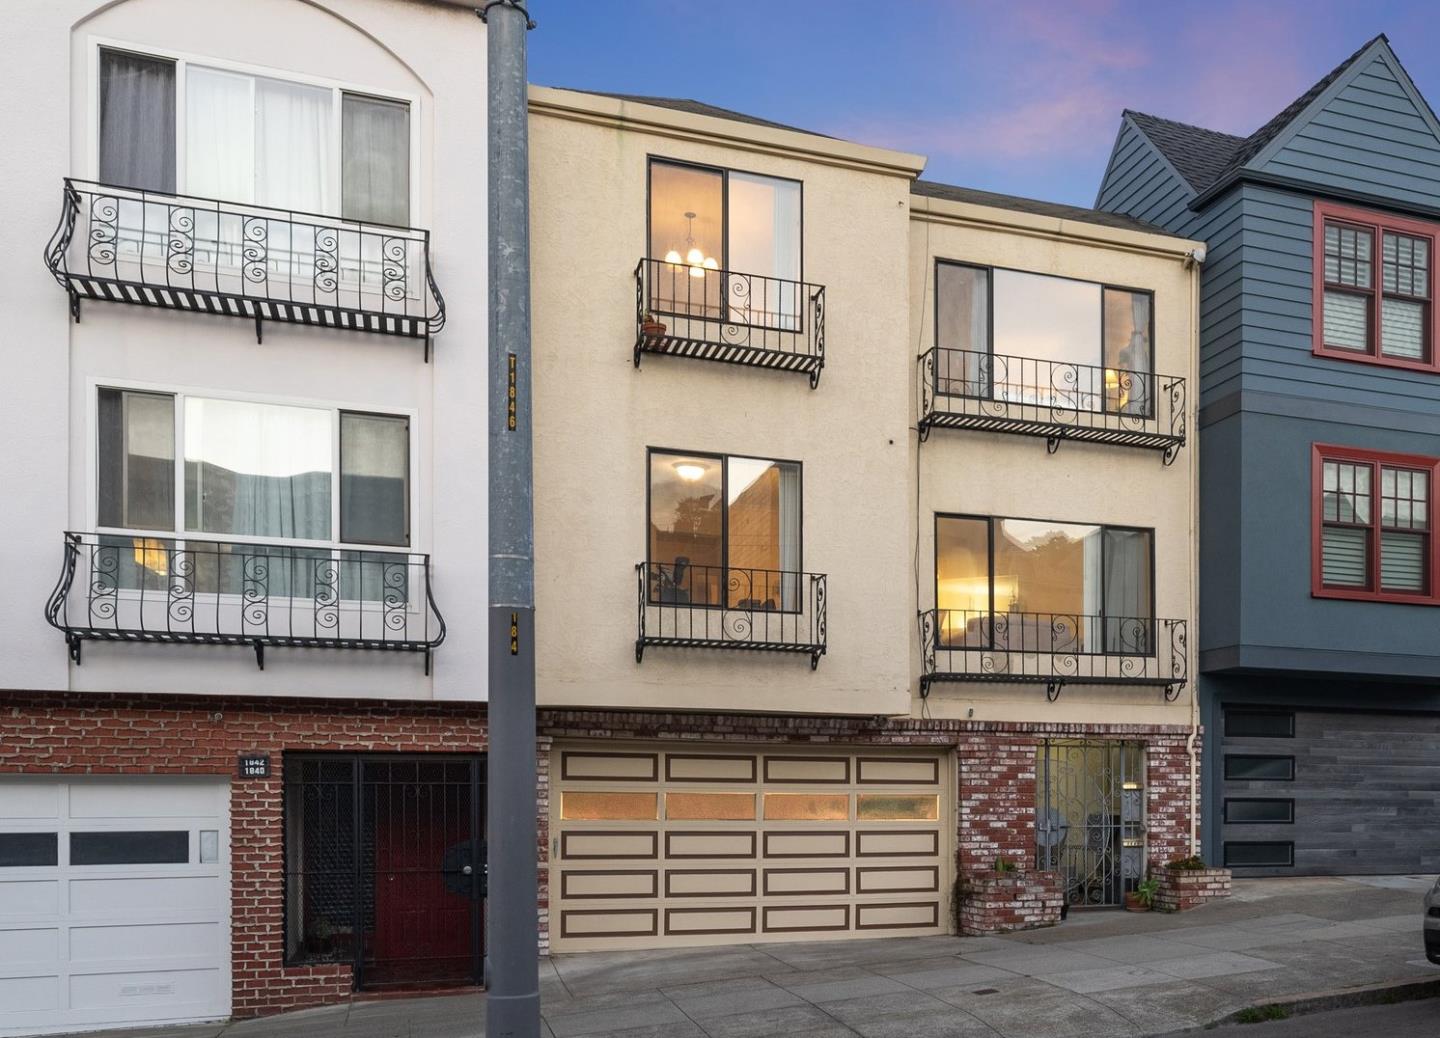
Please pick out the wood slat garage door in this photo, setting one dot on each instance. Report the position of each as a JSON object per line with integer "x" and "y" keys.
{"x": 1315, "y": 792}
{"x": 656, "y": 846}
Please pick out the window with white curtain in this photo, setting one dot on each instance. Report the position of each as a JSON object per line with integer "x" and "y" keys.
{"x": 1375, "y": 526}
{"x": 1040, "y": 586}
{"x": 253, "y": 139}
{"x": 724, "y": 530}
{"x": 728, "y": 242}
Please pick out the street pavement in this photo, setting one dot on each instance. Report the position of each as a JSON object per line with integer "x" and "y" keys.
{"x": 1099, "y": 974}
{"x": 1407, "y": 1020}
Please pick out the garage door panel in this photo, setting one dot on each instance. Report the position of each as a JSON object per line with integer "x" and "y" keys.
{"x": 708, "y": 922}
{"x": 174, "y": 990}
{"x": 606, "y": 883}
{"x": 23, "y": 899}
{"x": 710, "y": 883}
{"x": 902, "y": 916}
{"x": 20, "y": 947}
{"x": 817, "y": 919}
{"x": 753, "y": 846}
{"x": 30, "y": 800}
{"x": 117, "y": 800}
{"x": 634, "y": 767}
{"x": 27, "y": 995}
{"x": 144, "y": 941}
{"x": 121, "y": 896}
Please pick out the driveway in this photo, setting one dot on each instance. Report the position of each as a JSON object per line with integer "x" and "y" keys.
{"x": 1096, "y": 975}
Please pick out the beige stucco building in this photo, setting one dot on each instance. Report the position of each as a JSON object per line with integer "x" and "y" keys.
{"x": 831, "y": 594}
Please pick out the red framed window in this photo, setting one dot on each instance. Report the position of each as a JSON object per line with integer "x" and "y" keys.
{"x": 1375, "y": 531}
{"x": 1374, "y": 288}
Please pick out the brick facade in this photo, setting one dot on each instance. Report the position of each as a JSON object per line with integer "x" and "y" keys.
{"x": 1184, "y": 889}
{"x": 81, "y": 734}
{"x": 166, "y": 735}
{"x": 1000, "y": 902}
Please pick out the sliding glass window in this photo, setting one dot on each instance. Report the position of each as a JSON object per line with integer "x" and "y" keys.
{"x": 1041, "y": 340}
{"x": 725, "y": 245}
{"x": 724, "y": 531}
{"x": 275, "y": 478}
{"x": 1038, "y": 586}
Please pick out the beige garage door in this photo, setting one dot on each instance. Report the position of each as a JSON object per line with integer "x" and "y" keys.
{"x": 674, "y": 845}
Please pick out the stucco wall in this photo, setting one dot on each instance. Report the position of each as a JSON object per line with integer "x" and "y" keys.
{"x": 595, "y": 414}
{"x": 432, "y": 55}
{"x": 998, "y": 474}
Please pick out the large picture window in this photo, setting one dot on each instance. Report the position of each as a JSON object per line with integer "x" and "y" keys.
{"x": 728, "y": 244}
{"x": 724, "y": 531}
{"x": 175, "y": 468}
{"x": 1042, "y": 340}
{"x": 1374, "y": 283}
{"x": 1038, "y": 586}
{"x": 252, "y": 139}
{"x": 1374, "y": 525}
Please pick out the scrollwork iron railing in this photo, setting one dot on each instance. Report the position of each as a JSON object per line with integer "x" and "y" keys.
{"x": 234, "y": 259}
{"x": 1054, "y": 649}
{"x": 729, "y": 316}
{"x": 716, "y": 607}
{"x": 117, "y": 587}
{"x": 1057, "y": 400}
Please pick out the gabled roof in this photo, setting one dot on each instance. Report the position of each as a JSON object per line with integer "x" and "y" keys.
{"x": 685, "y": 104}
{"x": 1206, "y": 157}
{"x": 952, "y": 193}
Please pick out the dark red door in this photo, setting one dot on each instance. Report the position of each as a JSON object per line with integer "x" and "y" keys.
{"x": 423, "y": 815}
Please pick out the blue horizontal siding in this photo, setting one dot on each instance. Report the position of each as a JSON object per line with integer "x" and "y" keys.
{"x": 1371, "y": 137}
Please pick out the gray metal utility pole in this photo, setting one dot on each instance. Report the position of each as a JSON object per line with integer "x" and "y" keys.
{"x": 513, "y": 946}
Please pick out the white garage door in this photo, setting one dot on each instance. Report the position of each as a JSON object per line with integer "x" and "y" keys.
{"x": 683, "y": 845}
{"x": 114, "y": 902}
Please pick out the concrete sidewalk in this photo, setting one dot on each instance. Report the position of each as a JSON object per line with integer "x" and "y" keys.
{"x": 1099, "y": 974}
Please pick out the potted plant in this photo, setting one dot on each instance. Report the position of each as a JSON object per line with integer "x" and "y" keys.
{"x": 1142, "y": 898}
{"x": 1004, "y": 864}
{"x": 650, "y": 327}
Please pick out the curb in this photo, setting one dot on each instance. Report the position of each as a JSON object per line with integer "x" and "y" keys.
{"x": 1326, "y": 1001}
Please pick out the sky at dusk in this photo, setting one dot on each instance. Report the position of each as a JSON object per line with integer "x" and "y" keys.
{"x": 1019, "y": 96}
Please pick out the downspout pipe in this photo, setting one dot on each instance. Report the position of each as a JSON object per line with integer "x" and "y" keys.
{"x": 512, "y": 1008}
{"x": 1193, "y": 264}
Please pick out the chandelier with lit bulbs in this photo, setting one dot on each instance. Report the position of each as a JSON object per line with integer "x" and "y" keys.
{"x": 694, "y": 258}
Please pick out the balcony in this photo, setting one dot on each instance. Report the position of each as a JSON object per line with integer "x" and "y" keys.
{"x": 1052, "y": 649}
{"x": 730, "y": 317}
{"x": 121, "y": 588}
{"x": 961, "y": 389}
{"x": 712, "y": 607}
{"x": 232, "y": 259}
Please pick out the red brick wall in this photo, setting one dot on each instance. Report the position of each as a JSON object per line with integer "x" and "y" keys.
{"x": 87, "y": 734}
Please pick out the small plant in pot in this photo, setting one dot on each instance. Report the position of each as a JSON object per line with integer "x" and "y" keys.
{"x": 650, "y": 327}
{"x": 1004, "y": 864}
{"x": 1142, "y": 898}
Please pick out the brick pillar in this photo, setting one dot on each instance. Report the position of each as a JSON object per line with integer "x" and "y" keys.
{"x": 997, "y": 800}
{"x": 1167, "y": 798}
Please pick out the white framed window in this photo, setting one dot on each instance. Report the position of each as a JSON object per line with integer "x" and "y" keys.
{"x": 175, "y": 123}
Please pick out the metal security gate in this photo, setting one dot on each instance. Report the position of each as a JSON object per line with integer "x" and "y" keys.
{"x": 1090, "y": 818}
{"x": 383, "y": 866}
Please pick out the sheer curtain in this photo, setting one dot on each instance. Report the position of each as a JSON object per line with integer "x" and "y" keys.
{"x": 137, "y": 121}
{"x": 292, "y": 146}
{"x": 1127, "y": 591}
{"x": 219, "y": 135}
{"x": 764, "y": 241}
{"x": 790, "y": 535}
{"x": 375, "y": 160}
{"x": 1093, "y": 585}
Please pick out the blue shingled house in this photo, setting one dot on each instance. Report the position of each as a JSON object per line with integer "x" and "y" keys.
{"x": 1319, "y": 457}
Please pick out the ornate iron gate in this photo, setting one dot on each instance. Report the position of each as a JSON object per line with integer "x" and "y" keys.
{"x": 1090, "y": 818}
{"x": 383, "y": 866}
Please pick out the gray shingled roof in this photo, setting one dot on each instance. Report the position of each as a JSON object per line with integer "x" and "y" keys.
{"x": 1206, "y": 157}
{"x": 684, "y": 104}
{"x": 930, "y": 189}
{"x": 1199, "y": 155}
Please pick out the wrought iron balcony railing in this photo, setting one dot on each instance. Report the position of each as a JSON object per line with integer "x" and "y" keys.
{"x": 234, "y": 259}
{"x": 729, "y": 316}
{"x": 1054, "y": 649}
{"x": 964, "y": 389}
{"x": 714, "y": 607}
{"x": 121, "y": 588}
